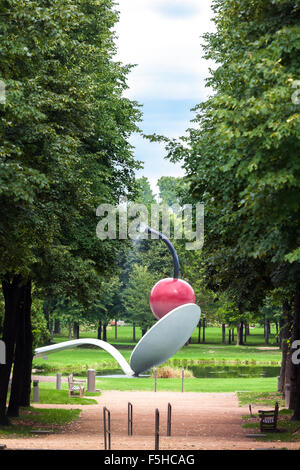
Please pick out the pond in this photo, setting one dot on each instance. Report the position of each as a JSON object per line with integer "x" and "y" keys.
{"x": 234, "y": 370}
{"x": 204, "y": 371}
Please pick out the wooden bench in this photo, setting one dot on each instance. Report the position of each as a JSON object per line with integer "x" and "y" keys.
{"x": 76, "y": 387}
{"x": 268, "y": 419}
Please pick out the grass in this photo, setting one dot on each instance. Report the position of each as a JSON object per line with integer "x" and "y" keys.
{"x": 287, "y": 429}
{"x": 79, "y": 360}
{"x": 30, "y": 418}
{"x": 260, "y": 398}
{"x": 49, "y": 395}
{"x": 190, "y": 385}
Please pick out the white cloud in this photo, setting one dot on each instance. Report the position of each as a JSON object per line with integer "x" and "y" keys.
{"x": 163, "y": 37}
{"x": 166, "y": 47}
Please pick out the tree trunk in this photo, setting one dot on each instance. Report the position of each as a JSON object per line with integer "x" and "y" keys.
{"x": 51, "y": 330}
{"x": 116, "y": 329}
{"x": 277, "y": 332}
{"x": 295, "y": 382}
{"x": 21, "y": 380}
{"x": 99, "y": 331}
{"x": 203, "y": 330}
{"x": 223, "y": 333}
{"x": 28, "y": 351}
{"x": 239, "y": 336}
{"x": 69, "y": 330}
{"x": 232, "y": 335}
{"x": 284, "y": 336}
{"x": 13, "y": 295}
{"x": 229, "y": 335}
{"x": 76, "y": 330}
{"x": 56, "y": 326}
{"x": 133, "y": 332}
{"x": 104, "y": 332}
{"x": 267, "y": 330}
{"x": 245, "y": 333}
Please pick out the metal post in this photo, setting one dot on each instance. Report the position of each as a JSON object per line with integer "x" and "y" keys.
{"x": 129, "y": 419}
{"x": 169, "y": 419}
{"x": 182, "y": 377}
{"x": 36, "y": 391}
{"x": 156, "y": 429}
{"x": 91, "y": 385}
{"x": 58, "y": 381}
{"x": 106, "y": 425}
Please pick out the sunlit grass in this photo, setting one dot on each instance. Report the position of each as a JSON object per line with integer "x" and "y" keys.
{"x": 32, "y": 418}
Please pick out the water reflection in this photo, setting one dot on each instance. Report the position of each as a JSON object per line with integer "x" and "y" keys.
{"x": 213, "y": 371}
{"x": 231, "y": 371}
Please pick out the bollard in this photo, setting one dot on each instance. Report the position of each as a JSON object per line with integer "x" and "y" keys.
{"x": 169, "y": 419}
{"x": 106, "y": 425}
{"x": 129, "y": 419}
{"x": 35, "y": 391}
{"x": 91, "y": 385}
{"x": 58, "y": 381}
{"x": 156, "y": 429}
{"x": 287, "y": 395}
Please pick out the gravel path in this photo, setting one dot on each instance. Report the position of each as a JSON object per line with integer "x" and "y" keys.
{"x": 200, "y": 421}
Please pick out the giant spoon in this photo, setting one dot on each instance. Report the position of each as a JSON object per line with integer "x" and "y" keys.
{"x": 172, "y": 301}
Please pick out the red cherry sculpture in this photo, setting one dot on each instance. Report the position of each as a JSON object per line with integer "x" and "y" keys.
{"x": 168, "y": 294}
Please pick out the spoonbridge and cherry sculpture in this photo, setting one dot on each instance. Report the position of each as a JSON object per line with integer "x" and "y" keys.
{"x": 172, "y": 302}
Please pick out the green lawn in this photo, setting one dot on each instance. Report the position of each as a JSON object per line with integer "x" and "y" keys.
{"x": 48, "y": 394}
{"x": 213, "y": 336}
{"x": 267, "y": 384}
{"x": 190, "y": 385}
{"x": 79, "y": 360}
{"x": 32, "y": 418}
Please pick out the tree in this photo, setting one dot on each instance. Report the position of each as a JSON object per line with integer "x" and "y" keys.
{"x": 171, "y": 189}
{"x": 64, "y": 150}
{"x": 145, "y": 193}
{"x": 136, "y": 297}
{"x": 242, "y": 155}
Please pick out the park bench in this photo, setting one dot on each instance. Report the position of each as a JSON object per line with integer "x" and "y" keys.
{"x": 76, "y": 387}
{"x": 268, "y": 419}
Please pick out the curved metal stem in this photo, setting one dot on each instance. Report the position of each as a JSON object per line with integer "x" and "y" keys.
{"x": 171, "y": 248}
{"x": 78, "y": 342}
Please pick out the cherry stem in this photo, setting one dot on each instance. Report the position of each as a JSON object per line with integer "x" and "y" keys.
{"x": 162, "y": 237}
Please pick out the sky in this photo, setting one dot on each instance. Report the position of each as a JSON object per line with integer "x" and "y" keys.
{"x": 163, "y": 39}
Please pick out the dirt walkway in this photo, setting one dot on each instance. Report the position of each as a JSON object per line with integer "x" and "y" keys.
{"x": 200, "y": 421}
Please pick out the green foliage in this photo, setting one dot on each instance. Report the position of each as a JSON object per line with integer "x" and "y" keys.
{"x": 145, "y": 193}
{"x": 64, "y": 147}
{"x": 241, "y": 157}
{"x": 136, "y": 296}
{"x": 171, "y": 189}
{"x": 39, "y": 324}
{"x": 53, "y": 419}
